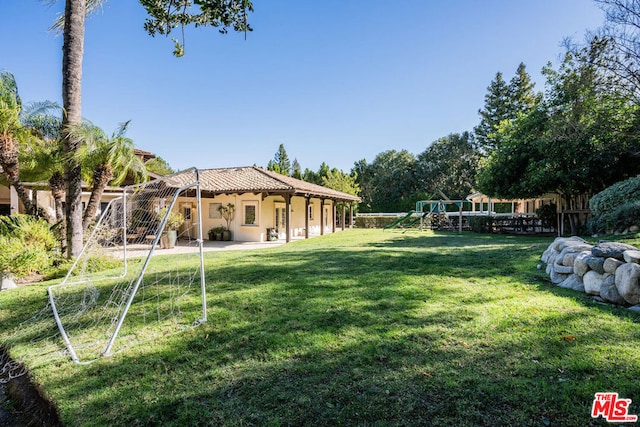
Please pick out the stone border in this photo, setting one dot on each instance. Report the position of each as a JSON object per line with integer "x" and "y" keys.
{"x": 608, "y": 270}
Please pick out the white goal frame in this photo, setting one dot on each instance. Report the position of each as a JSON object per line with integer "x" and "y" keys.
{"x": 179, "y": 188}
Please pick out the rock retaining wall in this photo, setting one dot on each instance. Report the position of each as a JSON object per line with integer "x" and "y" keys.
{"x": 609, "y": 270}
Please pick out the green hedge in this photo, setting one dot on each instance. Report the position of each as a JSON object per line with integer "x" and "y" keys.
{"x": 374, "y": 221}
{"x": 618, "y": 194}
{"x": 618, "y": 219}
{"x": 616, "y": 207}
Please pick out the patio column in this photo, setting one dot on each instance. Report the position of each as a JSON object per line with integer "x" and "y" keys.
{"x": 333, "y": 220}
{"x": 344, "y": 214}
{"x": 14, "y": 200}
{"x": 306, "y": 217}
{"x": 350, "y": 215}
{"x": 287, "y": 220}
{"x": 322, "y": 217}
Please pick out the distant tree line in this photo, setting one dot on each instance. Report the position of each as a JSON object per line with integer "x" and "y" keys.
{"x": 577, "y": 136}
{"x": 329, "y": 177}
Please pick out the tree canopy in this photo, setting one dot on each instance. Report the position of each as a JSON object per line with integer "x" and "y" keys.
{"x": 166, "y": 15}
{"x": 449, "y": 166}
{"x": 504, "y": 102}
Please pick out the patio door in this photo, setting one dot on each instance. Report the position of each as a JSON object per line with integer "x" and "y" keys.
{"x": 188, "y": 212}
{"x": 281, "y": 219}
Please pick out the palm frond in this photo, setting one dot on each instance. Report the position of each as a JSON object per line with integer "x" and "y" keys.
{"x": 93, "y": 6}
{"x": 44, "y": 118}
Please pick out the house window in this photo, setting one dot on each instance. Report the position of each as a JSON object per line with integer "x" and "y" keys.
{"x": 250, "y": 212}
{"x": 214, "y": 210}
{"x": 103, "y": 207}
{"x": 311, "y": 212}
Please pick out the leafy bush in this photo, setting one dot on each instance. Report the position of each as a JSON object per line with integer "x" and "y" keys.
{"x": 26, "y": 245}
{"x": 618, "y": 219}
{"x": 612, "y": 197}
{"x": 616, "y": 207}
{"x": 481, "y": 224}
{"x": 374, "y": 221}
{"x": 548, "y": 214}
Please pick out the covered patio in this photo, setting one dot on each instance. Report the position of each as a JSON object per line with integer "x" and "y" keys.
{"x": 265, "y": 202}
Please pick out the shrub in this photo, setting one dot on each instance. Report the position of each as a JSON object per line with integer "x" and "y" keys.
{"x": 624, "y": 216}
{"x": 26, "y": 245}
{"x": 374, "y": 221}
{"x": 480, "y": 224}
{"x": 548, "y": 215}
{"x": 619, "y": 193}
{"x": 617, "y": 207}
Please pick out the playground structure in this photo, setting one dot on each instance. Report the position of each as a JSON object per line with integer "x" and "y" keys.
{"x": 434, "y": 214}
{"x": 457, "y": 215}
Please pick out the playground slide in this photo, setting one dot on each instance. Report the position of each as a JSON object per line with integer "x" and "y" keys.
{"x": 399, "y": 221}
{"x": 416, "y": 220}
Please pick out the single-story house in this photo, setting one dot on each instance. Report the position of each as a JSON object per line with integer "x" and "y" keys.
{"x": 264, "y": 200}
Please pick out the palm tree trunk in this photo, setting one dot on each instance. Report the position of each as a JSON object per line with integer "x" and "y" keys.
{"x": 72, "y": 53}
{"x": 11, "y": 170}
{"x": 23, "y": 195}
{"x": 101, "y": 177}
{"x": 56, "y": 184}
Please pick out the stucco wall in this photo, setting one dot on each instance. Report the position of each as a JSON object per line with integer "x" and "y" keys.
{"x": 266, "y": 216}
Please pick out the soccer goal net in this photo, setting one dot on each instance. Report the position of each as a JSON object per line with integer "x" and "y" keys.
{"x": 121, "y": 290}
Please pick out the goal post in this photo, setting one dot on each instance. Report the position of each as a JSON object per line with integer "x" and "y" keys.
{"x": 141, "y": 295}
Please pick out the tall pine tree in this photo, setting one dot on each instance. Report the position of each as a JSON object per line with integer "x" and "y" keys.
{"x": 504, "y": 102}
{"x": 296, "y": 170}
{"x": 496, "y": 109}
{"x": 282, "y": 159}
{"x": 521, "y": 94}
{"x": 280, "y": 163}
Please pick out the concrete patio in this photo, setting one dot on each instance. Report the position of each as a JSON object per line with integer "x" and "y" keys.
{"x": 186, "y": 246}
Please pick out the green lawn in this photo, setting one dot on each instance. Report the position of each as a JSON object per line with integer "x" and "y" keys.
{"x": 365, "y": 328}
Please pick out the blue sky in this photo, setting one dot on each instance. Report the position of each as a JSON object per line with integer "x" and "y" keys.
{"x": 332, "y": 80}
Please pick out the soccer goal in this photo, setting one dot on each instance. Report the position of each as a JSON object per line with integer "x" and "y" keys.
{"x": 121, "y": 290}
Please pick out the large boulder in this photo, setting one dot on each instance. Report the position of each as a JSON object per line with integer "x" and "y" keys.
{"x": 609, "y": 292}
{"x": 628, "y": 282}
{"x": 611, "y": 265}
{"x": 569, "y": 259}
{"x": 557, "y": 278}
{"x": 631, "y": 256}
{"x": 580, "y": 265}
{"x": 549, "y": 255}
{"x": 561, "y": 243}
{"x": 611, "y": 249}
{"x": 569, "y": 254}
{"x": 549, "y": 269}
{"x": 563, "y": 269}
{"x": 7, "y": 283}
{"x": 596, "y": 263}
{"x": 572, "y": 282}
{"x": 592, "y": 282}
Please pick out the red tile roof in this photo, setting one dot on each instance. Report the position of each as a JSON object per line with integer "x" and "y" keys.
{"x": 252, "y": 179}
